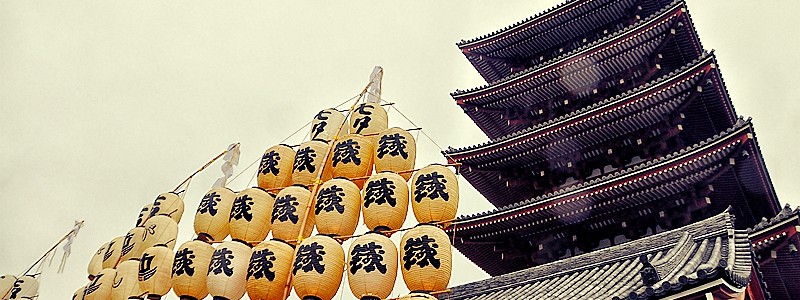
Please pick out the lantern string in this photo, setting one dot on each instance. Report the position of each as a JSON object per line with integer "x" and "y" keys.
{"x": 281, "y": 142}
{"x": 450, "y": 158}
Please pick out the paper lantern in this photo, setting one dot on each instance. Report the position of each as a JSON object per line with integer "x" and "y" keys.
{"x": 132, "y": 244}
{"x": 337, "y": 207}
{"x": 317, "y": 268}
{"x": 308, "y": 162}
{"x": 368, "y": 119}
{"x": 168, "y": 204}
{"x": 113, "y": 252}
{"x": 291, "y": 205}
{"x": 275, "y": 170}
{"x": 78, "y": 295}
{"x": 190, "y": 270}
{"x": 100, "y": 287}
{"x": 6, "y": 284}
{"x": 434, "y": 194}
{"x": 395, "y": 151}
{"x": 227, "y": 271}
{"x": 144, "y": 214}
{"x": 26, "y": 287}
{"x": 126, "y": 283}
{"x": 425, "y": 258}
{"x": 417, "y": 296}
{"x": 269, "y": 269}
{"x": 385, "y": 202}
{"x": 250, "y": 215}
{"x": 96, "y": 263}
{"x": 326, "y": 123}
{"x": 352, "y": 158}
{"x": 155, "y": 271}
{"x": 372, "y": 266}
{"x": 213, "y": 213}
{"x": 160, "y": 230}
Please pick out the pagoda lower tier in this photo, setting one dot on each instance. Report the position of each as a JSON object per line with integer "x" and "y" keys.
{"x": 705, "y": 258}
{"x": 666, "y": 193}
{"x": 662, "y": 43}
{"x": 682, "y": 108}
{"x": 775, "y": 243}
{"x": 559, "y": 30}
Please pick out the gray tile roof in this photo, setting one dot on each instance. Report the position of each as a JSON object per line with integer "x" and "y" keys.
{"x": 786, "y": 213}
{"x": 654, "y": 266}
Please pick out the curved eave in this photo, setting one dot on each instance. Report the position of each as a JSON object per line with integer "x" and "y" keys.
{"x": 635, "y": 175}
{"x": 579, "y": 120}
{"x": 573, "y": 57}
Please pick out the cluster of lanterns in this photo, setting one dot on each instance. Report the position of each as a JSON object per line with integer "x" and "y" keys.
{"x": 25, "y": 287}
{"x": 328, "y": 183}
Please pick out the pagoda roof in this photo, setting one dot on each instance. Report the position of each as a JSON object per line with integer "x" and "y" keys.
{"x": 778, "y": 265}
{"x": 745, "y": 186}
{"x": 561, "y": 28}
{"x": 708, "y": 252}
{"x": 582, "y": 130}
{"x": 575, "y": 75}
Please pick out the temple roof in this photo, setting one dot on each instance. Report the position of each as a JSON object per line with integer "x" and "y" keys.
{"x": 559, "y": 29}
{"x": 766, "y": 224}
{"x": 584, "y": 130}
{"x": 583, "y": 72}
{"x": 656, "y": 266}
{"x": 729, "y": 161}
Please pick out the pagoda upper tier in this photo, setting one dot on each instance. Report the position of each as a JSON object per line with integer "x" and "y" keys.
{"x": 724, "y": 171}
{"x": 681, "y": 108}
{"x": 659, "y": 44}
{"x": 554, "y": 32}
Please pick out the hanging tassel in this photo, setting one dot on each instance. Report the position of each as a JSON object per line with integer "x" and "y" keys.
{"x": 231, "y": 159}
{"x": 374, "y": 87}
{"x": 68, "y": 244}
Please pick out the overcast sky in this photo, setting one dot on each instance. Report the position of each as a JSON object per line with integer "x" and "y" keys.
{"x": 106, "y": 104}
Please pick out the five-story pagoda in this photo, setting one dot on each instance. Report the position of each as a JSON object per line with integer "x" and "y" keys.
{"x": 615, "y": 159}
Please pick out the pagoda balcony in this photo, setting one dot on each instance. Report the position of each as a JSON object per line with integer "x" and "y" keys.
{"x": 678, "y": 189}
{"x": 605, "y": 68}
{"x": 552, "y": 33}
{"x": 682, "y": 108}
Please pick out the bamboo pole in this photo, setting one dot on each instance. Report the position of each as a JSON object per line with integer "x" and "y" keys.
{"x": 204, "y": 167}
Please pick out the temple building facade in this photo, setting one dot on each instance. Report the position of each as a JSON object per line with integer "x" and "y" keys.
{"x": 617, "y": 164}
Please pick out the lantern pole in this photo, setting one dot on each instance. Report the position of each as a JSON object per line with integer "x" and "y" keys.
{"x": 69, "y": 234}
{"x": 318, "y": 181}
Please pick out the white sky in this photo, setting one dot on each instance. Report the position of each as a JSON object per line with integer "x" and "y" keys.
{"x": 106, "y": 104}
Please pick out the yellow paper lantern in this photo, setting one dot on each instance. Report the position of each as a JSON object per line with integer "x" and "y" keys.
{"x": 250, "y": 215}
{"x": 269, "y": 269}
{"x": 308, "y": 162}
{"x": 275, "y": 170}
{"x": 78, "y": 295}
{"x": 211, "y": 219}
{"x": 26, "y": 287}
{"x": 190, "y": 270}
{"x": 352, "y": 158}
{"x": 426, "y": 258}
{"x": 395, "y": 151}
{"x": 417, "y": 296}
{"x": 7, "y": 283}
{"x": 291, "y": 205}
{"x": 100, "y": 287}
{"x": 126, "y": 283}
{"x": 96, "y": 263}
{"x": 168, "y": 204}
{"x": 155, "y": 271}
{"x": 368, "y": 119}
{"x": 144, "y": 214}
{"x": 372, "y": 266}
{"x": 337, "y": 207}
{"x": 160, "y": 230}
{"x": 227, "y": 271}
{"x": 385, "y": 202}
{"x": 132, "y": 244}
{"x": 434, "y": 194}
{"x": 326, "y": 123}
{"x": 318, "y": 267}
{"x": 113, "y": 252}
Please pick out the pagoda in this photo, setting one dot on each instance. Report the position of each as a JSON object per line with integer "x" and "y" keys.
{"x": 617, "y": 163}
